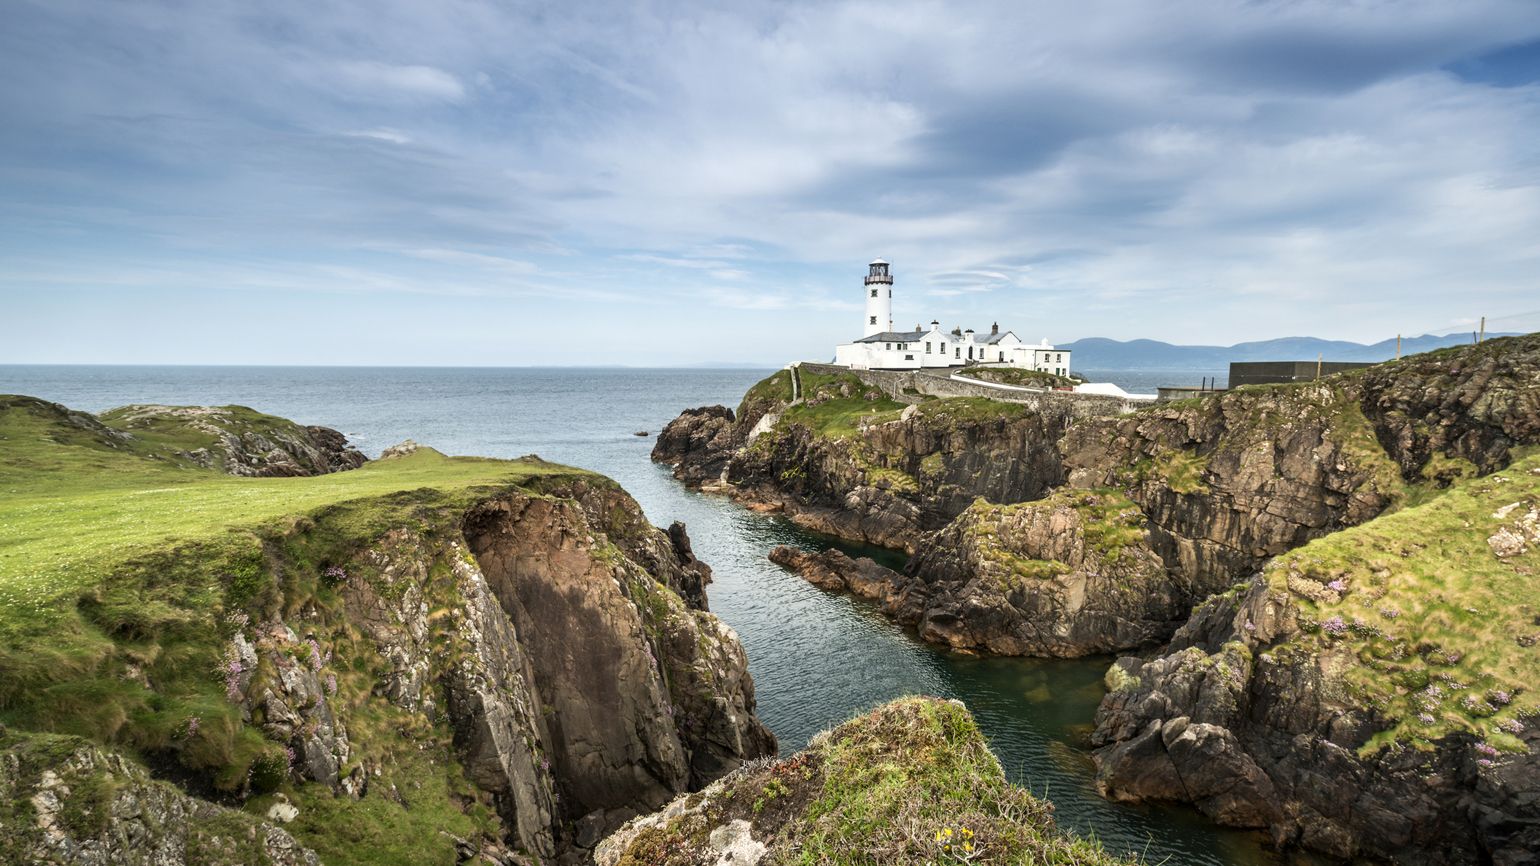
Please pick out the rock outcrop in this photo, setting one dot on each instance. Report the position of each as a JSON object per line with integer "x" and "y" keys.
{"x": 1227, "y": 482}
{"x": 64, "y": 800}
{"x": 237, "y": 440}
{"x": 475, "y": 626}
{"x": 698, "y": 444}
{"x": 912, "y": 782}
{"x": 1069, "y": 575}
{"x": 1369, "y": 695}
{"x": 900, "y": 472}
{"x": 505, "y": 665}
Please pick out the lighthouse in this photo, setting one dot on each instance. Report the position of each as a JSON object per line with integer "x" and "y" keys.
{"x": 879, "y": 298}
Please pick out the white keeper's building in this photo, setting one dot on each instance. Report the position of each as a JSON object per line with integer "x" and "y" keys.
{"x": 882, "y": 348}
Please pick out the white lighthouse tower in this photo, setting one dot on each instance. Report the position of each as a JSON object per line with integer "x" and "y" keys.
{"x": 879, "y": 298}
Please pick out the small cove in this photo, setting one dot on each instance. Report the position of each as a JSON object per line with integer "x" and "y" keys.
{"x": 817, "y": 657}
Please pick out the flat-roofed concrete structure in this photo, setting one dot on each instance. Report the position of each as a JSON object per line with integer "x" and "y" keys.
{"x": 1273, "y": 372}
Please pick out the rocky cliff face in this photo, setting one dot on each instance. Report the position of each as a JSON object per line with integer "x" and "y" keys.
{"x": 505, "y": 667}
{"x": 900, "y": 472}
{"x": 1369, "y": 695}
{"x": 912, "y": 782}
{"x": 1220, "y": 485}
{"x": 236, "y": 440}
{"x": 698, "y": 444}
{"x": 64, "y": 800}
{"x": 1069, "y": 575}
{"x": 474, "y": 629}
{"x": 1228, "y": 481}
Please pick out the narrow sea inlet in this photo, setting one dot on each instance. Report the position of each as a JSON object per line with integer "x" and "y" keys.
{"x": 817, "y": 657}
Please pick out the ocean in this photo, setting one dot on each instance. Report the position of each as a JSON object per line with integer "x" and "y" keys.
{"x": 817, "y": 657}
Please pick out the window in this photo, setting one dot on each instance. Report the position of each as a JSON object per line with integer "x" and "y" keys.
{"x": 873, "y": 321}
{"x": 908, "y": 357}
{"x": 943, "y": 347}
{"x": 889, "y": 346}
{"x": 874, "y": 293}
{"x": 927, "y": 347}
{"x": 890, "y": 293}
{"x": 957, "y": 353}
{"x": 1058, "y": 357}
{"x": 1002, "y": 356}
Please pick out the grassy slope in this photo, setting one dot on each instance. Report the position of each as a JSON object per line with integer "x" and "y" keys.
{"x": 912, "y": 782}
{"x": 119, "y": 574}
{"x": 72, "y": 507}
{"x": 1428, "y": 625}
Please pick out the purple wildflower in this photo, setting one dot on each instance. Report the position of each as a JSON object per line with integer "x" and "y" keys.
{"x": 316, "y": 663}
{"x": 331, "y": 684}
{"x": 1499, "y": 698}
{"x": 545, "y": 765}
{"x": 1512, "y": 726}
{"x": 1334, "y": 626}
{"x": 1338, "y": 585}
{"x": 192, "y": 725}
{"x": 1250, "y": 626}
{"x": 1389, "y": 612}
{"x": 335, "y": 574}
{"x": 288, "y": 752}
{"x": 1486, "y": 750}
{"x": 233, "y": 671}
{"x": 1426, "y": 719}
{"x": 1485, "y": 763}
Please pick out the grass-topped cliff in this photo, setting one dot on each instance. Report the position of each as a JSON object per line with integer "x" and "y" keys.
{"x": 1371, "y": 693}
{"x": 1432, "y": 613}
{"x": 379, "y": 647}
{"x": 912, "y": 782}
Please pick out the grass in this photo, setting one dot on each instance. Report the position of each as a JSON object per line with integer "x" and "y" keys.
{"x": 842, "y": 417}
{"x": 1434, "y": 631}
{"x": 912, "y": 782}
{"x": 775, "y": 388}
{"x": 74, "y": 506}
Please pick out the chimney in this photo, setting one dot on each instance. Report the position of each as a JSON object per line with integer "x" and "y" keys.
{"x": 995, "y": 328}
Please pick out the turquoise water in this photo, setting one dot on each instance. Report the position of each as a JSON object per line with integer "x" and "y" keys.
{"x": 817, "y": 657}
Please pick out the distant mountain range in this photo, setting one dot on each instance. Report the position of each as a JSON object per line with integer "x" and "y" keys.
{"x": 1100, "y": 353}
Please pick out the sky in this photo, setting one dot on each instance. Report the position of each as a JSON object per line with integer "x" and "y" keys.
{"x": 461, "y": 182}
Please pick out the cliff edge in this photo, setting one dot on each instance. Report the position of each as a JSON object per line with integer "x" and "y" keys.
{"x": 377, "y": 664}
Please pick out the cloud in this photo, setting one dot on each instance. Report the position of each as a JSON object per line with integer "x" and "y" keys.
{"x": 371, "y": 79}
{"x": 1199, "y": 169}
{"x": 383, "y": 134}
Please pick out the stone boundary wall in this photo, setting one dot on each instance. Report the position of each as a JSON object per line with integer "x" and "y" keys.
{"x": 922, "y": 384}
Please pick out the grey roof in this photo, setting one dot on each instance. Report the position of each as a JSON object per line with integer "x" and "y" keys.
{"x": 894, "y": 337}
